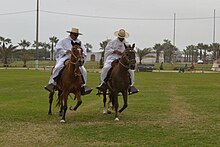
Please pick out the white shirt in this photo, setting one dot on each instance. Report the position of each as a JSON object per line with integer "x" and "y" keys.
{"x": 65, "y": 44}
{"x": 111, "y": 47}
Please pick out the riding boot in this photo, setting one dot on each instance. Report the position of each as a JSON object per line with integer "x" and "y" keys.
{"x": 49, "y": 87}
{"x": 132, "y": 90}
{"x": 86, "y": 90}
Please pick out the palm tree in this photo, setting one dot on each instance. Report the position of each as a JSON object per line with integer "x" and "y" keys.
{"x": 45, "y": 46}
{"x": 25, "y": 56}
{"x": 143, "y": 53}
{"x": 158, "y": 48}
{"x": 169, "y": 50}
{"x": 54, "y": 41}
{"x": 193, "y": 52}
{"x": 215, "y": 48}
{"x": 200, "y": 47}
{"x": 88, "y": 47}
{"x": 6, "y": 49}
{"x": 103, "y": 44}
{"x": 205, "y": 48}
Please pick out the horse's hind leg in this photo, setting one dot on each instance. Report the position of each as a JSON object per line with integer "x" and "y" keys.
{"x": 125, "y": 98}
{"x": 110, "y": 106}
{"x": 50, "y": 102}
{"x": 114, "y": 97}
{"x": 104, "y": 101}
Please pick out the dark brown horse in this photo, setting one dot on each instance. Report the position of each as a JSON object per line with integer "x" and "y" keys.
{"x": 119, "y": 79}
{"x": 70, "y": 81}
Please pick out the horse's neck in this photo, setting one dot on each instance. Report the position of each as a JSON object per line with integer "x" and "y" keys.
{"x": 123, "y": 65}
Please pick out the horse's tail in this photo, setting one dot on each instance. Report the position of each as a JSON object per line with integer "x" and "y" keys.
{"x": 59, "y": 99}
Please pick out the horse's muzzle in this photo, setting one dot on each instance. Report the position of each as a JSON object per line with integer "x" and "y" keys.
{"x": 132, "y": 64}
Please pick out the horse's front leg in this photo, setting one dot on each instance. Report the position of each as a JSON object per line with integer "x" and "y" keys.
{"x": 79, "y": 101}
{"x": 61, "y": 104}
{"x": 64, "y": 98}
{"x": 50, "y": 102}
{"x": 125, "y": 98}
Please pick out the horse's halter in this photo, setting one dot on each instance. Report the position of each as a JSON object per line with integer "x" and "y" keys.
{"x": 129, "y": 56}
{"x": 76, "y": 54}
{"x": 76, "y": 58}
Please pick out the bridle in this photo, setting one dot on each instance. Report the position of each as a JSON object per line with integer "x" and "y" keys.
{"x": 128, "y": 62}
{"x": 75, "y": 60}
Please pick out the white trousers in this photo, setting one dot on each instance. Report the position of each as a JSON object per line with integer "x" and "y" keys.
{"x": 106, "y": 68}
{"x": 58, "y": 67}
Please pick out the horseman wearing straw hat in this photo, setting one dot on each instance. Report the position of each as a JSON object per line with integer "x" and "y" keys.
{"x": 61, "y": 55}
{"x": 113, "y": 51}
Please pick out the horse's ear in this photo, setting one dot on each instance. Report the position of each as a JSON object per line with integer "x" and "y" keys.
{"x": 133, "y": 45}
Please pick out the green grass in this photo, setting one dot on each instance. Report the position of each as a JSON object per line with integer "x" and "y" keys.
{"x": 171, "y": 109}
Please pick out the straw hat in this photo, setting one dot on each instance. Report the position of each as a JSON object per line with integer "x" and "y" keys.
{"x": 74, "y": 30}
{"x": 121, "y": 34}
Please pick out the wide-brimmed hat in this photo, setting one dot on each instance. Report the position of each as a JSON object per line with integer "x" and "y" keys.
{"x": 74, "y": 30}
{"x": 121, "y": 34}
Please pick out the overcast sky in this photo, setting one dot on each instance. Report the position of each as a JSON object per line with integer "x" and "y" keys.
{"x": 147, "y": 21}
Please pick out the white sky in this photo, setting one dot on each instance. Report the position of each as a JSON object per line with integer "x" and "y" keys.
{"x": 145, "y": 32}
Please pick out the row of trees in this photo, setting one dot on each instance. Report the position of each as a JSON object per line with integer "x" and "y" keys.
{"x": 170, "y": 53}
{"x": 10, "y": 52}
{"x": 202, "y": 51}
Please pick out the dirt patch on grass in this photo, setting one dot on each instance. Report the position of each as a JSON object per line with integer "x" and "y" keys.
{"x": 180, "y": 111}
{"x": 23, "y": 134}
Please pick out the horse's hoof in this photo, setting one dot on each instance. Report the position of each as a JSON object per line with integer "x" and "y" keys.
{"x": 104, "y": 112}
{"x": 109, "y": 111}
{"x": 62, "y": 121}
{"x": 71, "y": 107}
{"x": 49, "y": 113}
{"x": 116, "y": 119}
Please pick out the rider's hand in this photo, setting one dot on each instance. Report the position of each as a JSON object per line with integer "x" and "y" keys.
{"x": 117, "y": 52}
{"x": 68, "y": 52}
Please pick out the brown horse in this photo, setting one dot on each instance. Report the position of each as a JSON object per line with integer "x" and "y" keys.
{"x": 70, "y": 81}
{"x": 119, "y": 80}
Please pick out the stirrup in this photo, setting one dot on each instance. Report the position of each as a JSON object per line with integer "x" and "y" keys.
{"x": 132, "y": 90}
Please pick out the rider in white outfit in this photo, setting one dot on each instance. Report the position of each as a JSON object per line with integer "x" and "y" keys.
{"x": 113, "y": 51}
{"x": 61, "y": 55}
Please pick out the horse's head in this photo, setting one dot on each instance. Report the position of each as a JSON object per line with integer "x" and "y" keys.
{"x": 76, "y": 53}
{"x": 129, "y": 56}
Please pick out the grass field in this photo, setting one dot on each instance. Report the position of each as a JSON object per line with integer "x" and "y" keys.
{"x": 171, "y": 109}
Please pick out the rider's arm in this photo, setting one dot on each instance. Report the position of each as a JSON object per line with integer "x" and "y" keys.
{"x": 59, "y": 50}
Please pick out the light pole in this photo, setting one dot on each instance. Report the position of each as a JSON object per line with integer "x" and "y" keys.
{"x": 37, "y": 25}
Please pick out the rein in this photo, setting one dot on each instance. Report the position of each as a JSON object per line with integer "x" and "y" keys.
{"x": 125, "y": 66}
{"x": 74, "y": 63}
